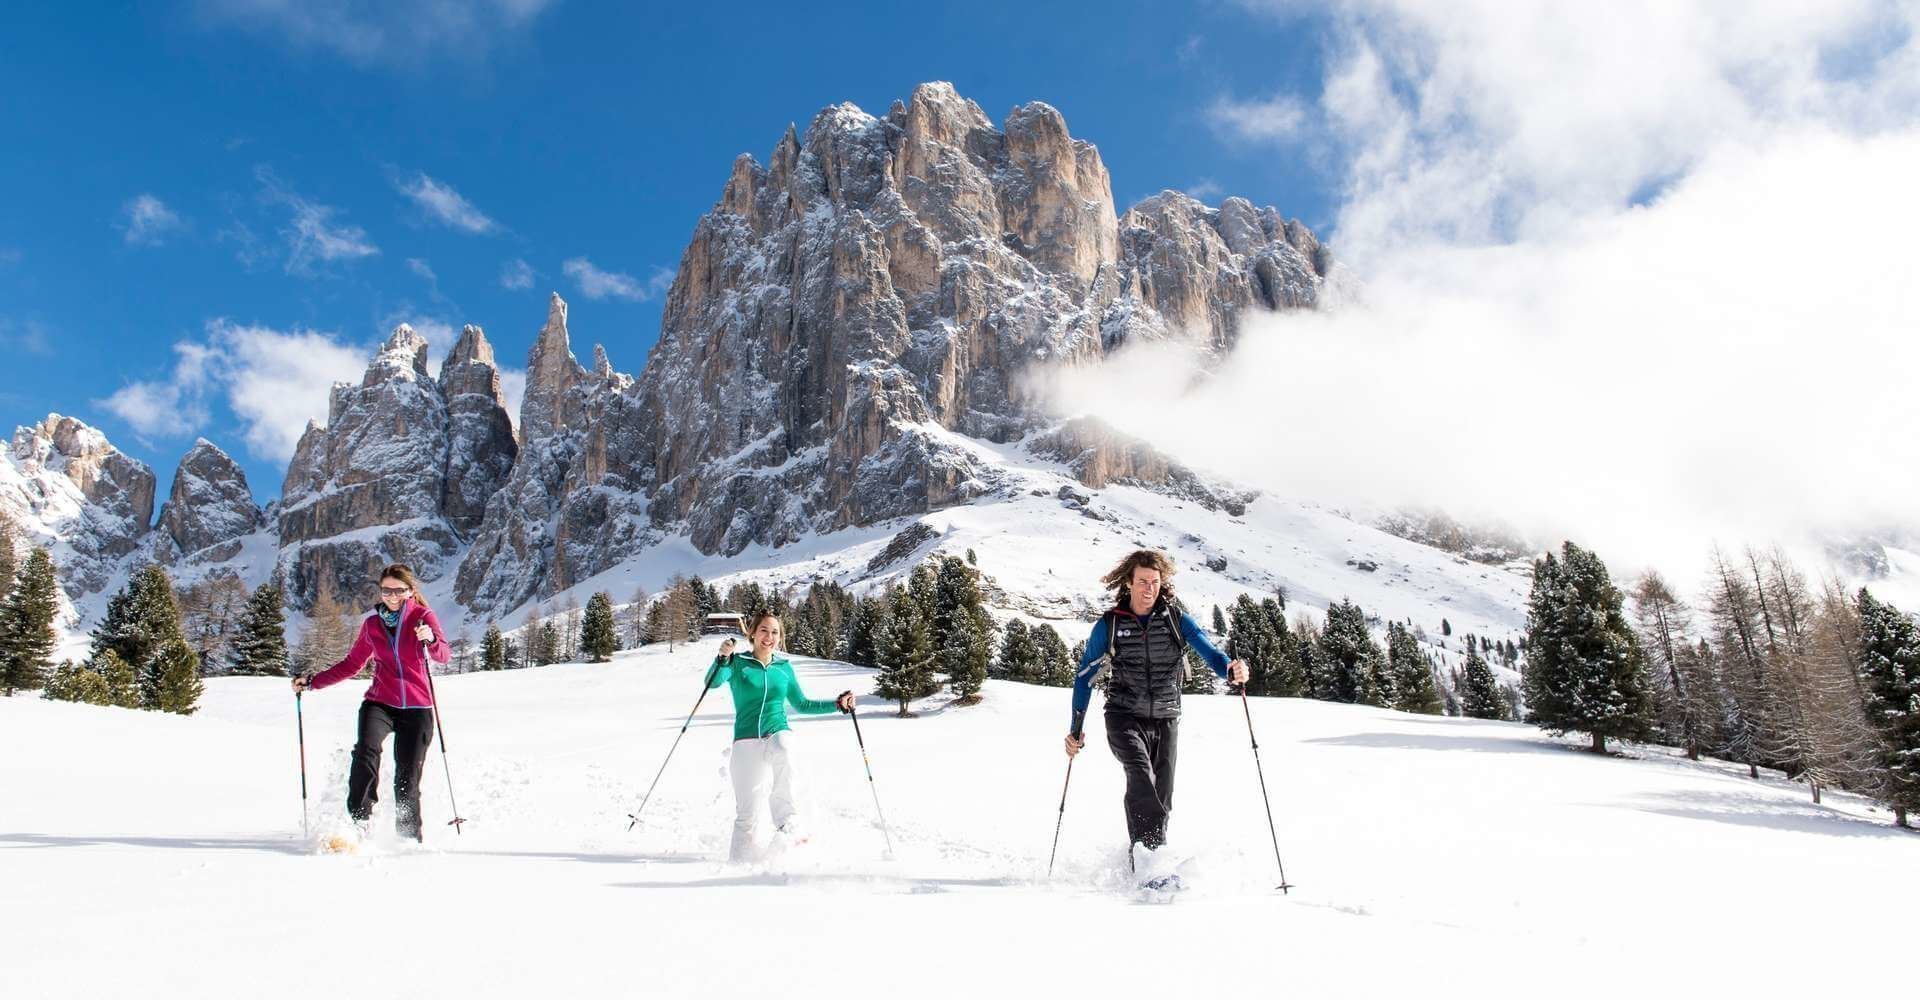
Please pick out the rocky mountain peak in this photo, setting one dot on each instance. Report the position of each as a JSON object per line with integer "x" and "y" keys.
{"x": 67, "y": 487}
{"x": 210, "y": 502}
{"x": 403, "y": 357}
{"x": 551, "y": 372}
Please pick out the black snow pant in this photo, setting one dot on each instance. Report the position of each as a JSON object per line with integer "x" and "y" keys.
{"x": 412, "y": 730}
{"x": 1145, "y": 749}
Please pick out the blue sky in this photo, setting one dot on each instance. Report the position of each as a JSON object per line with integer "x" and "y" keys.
{"x": 241, "y": 175}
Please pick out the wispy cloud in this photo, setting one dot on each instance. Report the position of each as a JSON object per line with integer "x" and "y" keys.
{"x": 398, "y": 31}
{"x": 1545, "y": 343}
{"x": 311, "y": 235}
{"x": 147, "y": 221}
{"x": 597, "y": 284}
{"x": 273, "y": 381}
{"x": 423, "y": 270}
{"x": 1206, "y": 189}
{"x": 445, "y": 205}
{"x": 29, "y": 336}
{"x": 1280, "y": 118}
{"x": 516, "y": 275}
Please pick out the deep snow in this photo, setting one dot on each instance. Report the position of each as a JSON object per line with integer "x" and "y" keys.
{"x": 159, "y": 856}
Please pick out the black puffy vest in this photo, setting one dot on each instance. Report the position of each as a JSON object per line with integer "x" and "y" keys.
{"x": 1146, "y": 659}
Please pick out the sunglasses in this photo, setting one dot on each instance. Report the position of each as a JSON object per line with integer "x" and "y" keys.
{"x": 394, "y": 591}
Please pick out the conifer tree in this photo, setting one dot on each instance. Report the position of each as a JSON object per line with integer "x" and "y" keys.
{"x": 177, "y": 678}
{"x": 907, "y": 667}
{"x": 1017, "y": 654}
{"x": 1479, "y": 690}
{"x": 26, "y": 625}
{"x": 9, "y": 556}
{"x": 1053, "y": 663}
{"x": 1585, "y": 671}
{"x": 493, "y": 649}
{"x": 1219, "y": 621}
{"x": 261, "y": 647}
{"x": 123, "y": 689}
{"x": 1411, "y": 672}
{"x": 597, "y": 632}
{"x": 1352, "y": 660}
{"x": 1889, "y": 661}
{"x": 71, "y": 681}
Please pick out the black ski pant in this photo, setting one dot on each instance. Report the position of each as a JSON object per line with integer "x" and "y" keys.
{"x": 1145, "y": 749}
{"x": 412, "y": 731}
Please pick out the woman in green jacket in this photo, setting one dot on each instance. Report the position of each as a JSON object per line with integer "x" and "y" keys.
{"x": 763, "y": 685}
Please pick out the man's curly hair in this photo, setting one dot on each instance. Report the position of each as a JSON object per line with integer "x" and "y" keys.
{"x": 1121, "y": 576}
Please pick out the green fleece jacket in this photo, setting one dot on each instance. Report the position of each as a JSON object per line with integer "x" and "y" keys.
{"x": 761, "y": 694}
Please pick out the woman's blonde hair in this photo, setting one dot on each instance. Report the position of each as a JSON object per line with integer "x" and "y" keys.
{"x": 766, "y": 616}
{"x": 404, "y": 573}
{"x": 1120, "y": 578}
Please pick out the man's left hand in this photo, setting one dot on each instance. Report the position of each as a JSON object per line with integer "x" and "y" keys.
{"x": 1237, "y": 672}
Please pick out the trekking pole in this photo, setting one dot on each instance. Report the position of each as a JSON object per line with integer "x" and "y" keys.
{"x": 1063, "y": 815}
{"x": 1283, "y": 886}
{"x": 300, "y": 722}
{"x": 426, "y": 666}
{"x": 634, "y": 816}
{"x": 855, "y": 716}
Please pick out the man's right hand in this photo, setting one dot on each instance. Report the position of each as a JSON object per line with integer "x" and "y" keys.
{"x": 1075, "y": 744}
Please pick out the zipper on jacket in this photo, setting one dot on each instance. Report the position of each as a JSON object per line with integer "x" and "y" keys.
{"x": 399, "y": 667}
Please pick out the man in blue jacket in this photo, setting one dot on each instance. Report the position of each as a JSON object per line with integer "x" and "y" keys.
{"x": 1144, "y": 639}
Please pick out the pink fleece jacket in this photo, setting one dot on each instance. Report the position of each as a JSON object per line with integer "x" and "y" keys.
{"x": 399, "y": 668}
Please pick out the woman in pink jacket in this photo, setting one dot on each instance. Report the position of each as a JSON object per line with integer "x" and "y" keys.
{"x": 398, "y": 635}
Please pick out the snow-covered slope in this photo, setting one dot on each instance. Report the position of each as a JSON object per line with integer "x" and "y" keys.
{"x": 1428, "y": 854}
{"x": 1043, "y": 540}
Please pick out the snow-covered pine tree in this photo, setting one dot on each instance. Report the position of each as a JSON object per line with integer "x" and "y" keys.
{"x": 1411, "y": 672}
{"x": 962, "y": 633}
{"x": 260, "y": 647}
{"x": 1352, "y": 660}
{"x": 548, "y": 649}
{"x": 123, "y": 689}
{"x": 177, "y": 684}
{"x": 1479, "y": 690}
{"x": 869, "y": 623}
{"x": 1051, "y": 663}
{"x": 907, "y": 665}
{"x": 1585, "y": 671}
{"x": 9, "y": 555}
{"x": 26, "y": 625}
{"x": 597, "y": 634}
{"x": 1219, "y": 622}
{"x": 1889, "y": 661}
{"x": 1016, "y": 654}
{"x": 493, "y": 648}
{"x": 79, "y": 683}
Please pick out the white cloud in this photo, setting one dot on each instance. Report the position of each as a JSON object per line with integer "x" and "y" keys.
{"x": 513, "y": 385}
{"x": 398, "y": 32}
{"x": 274, "y": 381}
{"x": 1637, "y": 274}
{"x": 423, "y": 270}
{"x": 1281, "y": 118}
{"x": 446, "y": 205}
{"x": 311, "y": 235}
{"x": 597, "y": 284}
{"x": 516, "y": 275}
{"x": 1206, "y": 189}
{"x": 148, "y": 221}
{"x": 28, "y": 336}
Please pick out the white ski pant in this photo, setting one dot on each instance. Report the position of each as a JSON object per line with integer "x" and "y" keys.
{"x": 761, "y": 771}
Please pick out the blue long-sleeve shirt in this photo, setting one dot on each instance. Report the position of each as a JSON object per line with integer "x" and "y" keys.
{"x": 1097, "y": 651}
